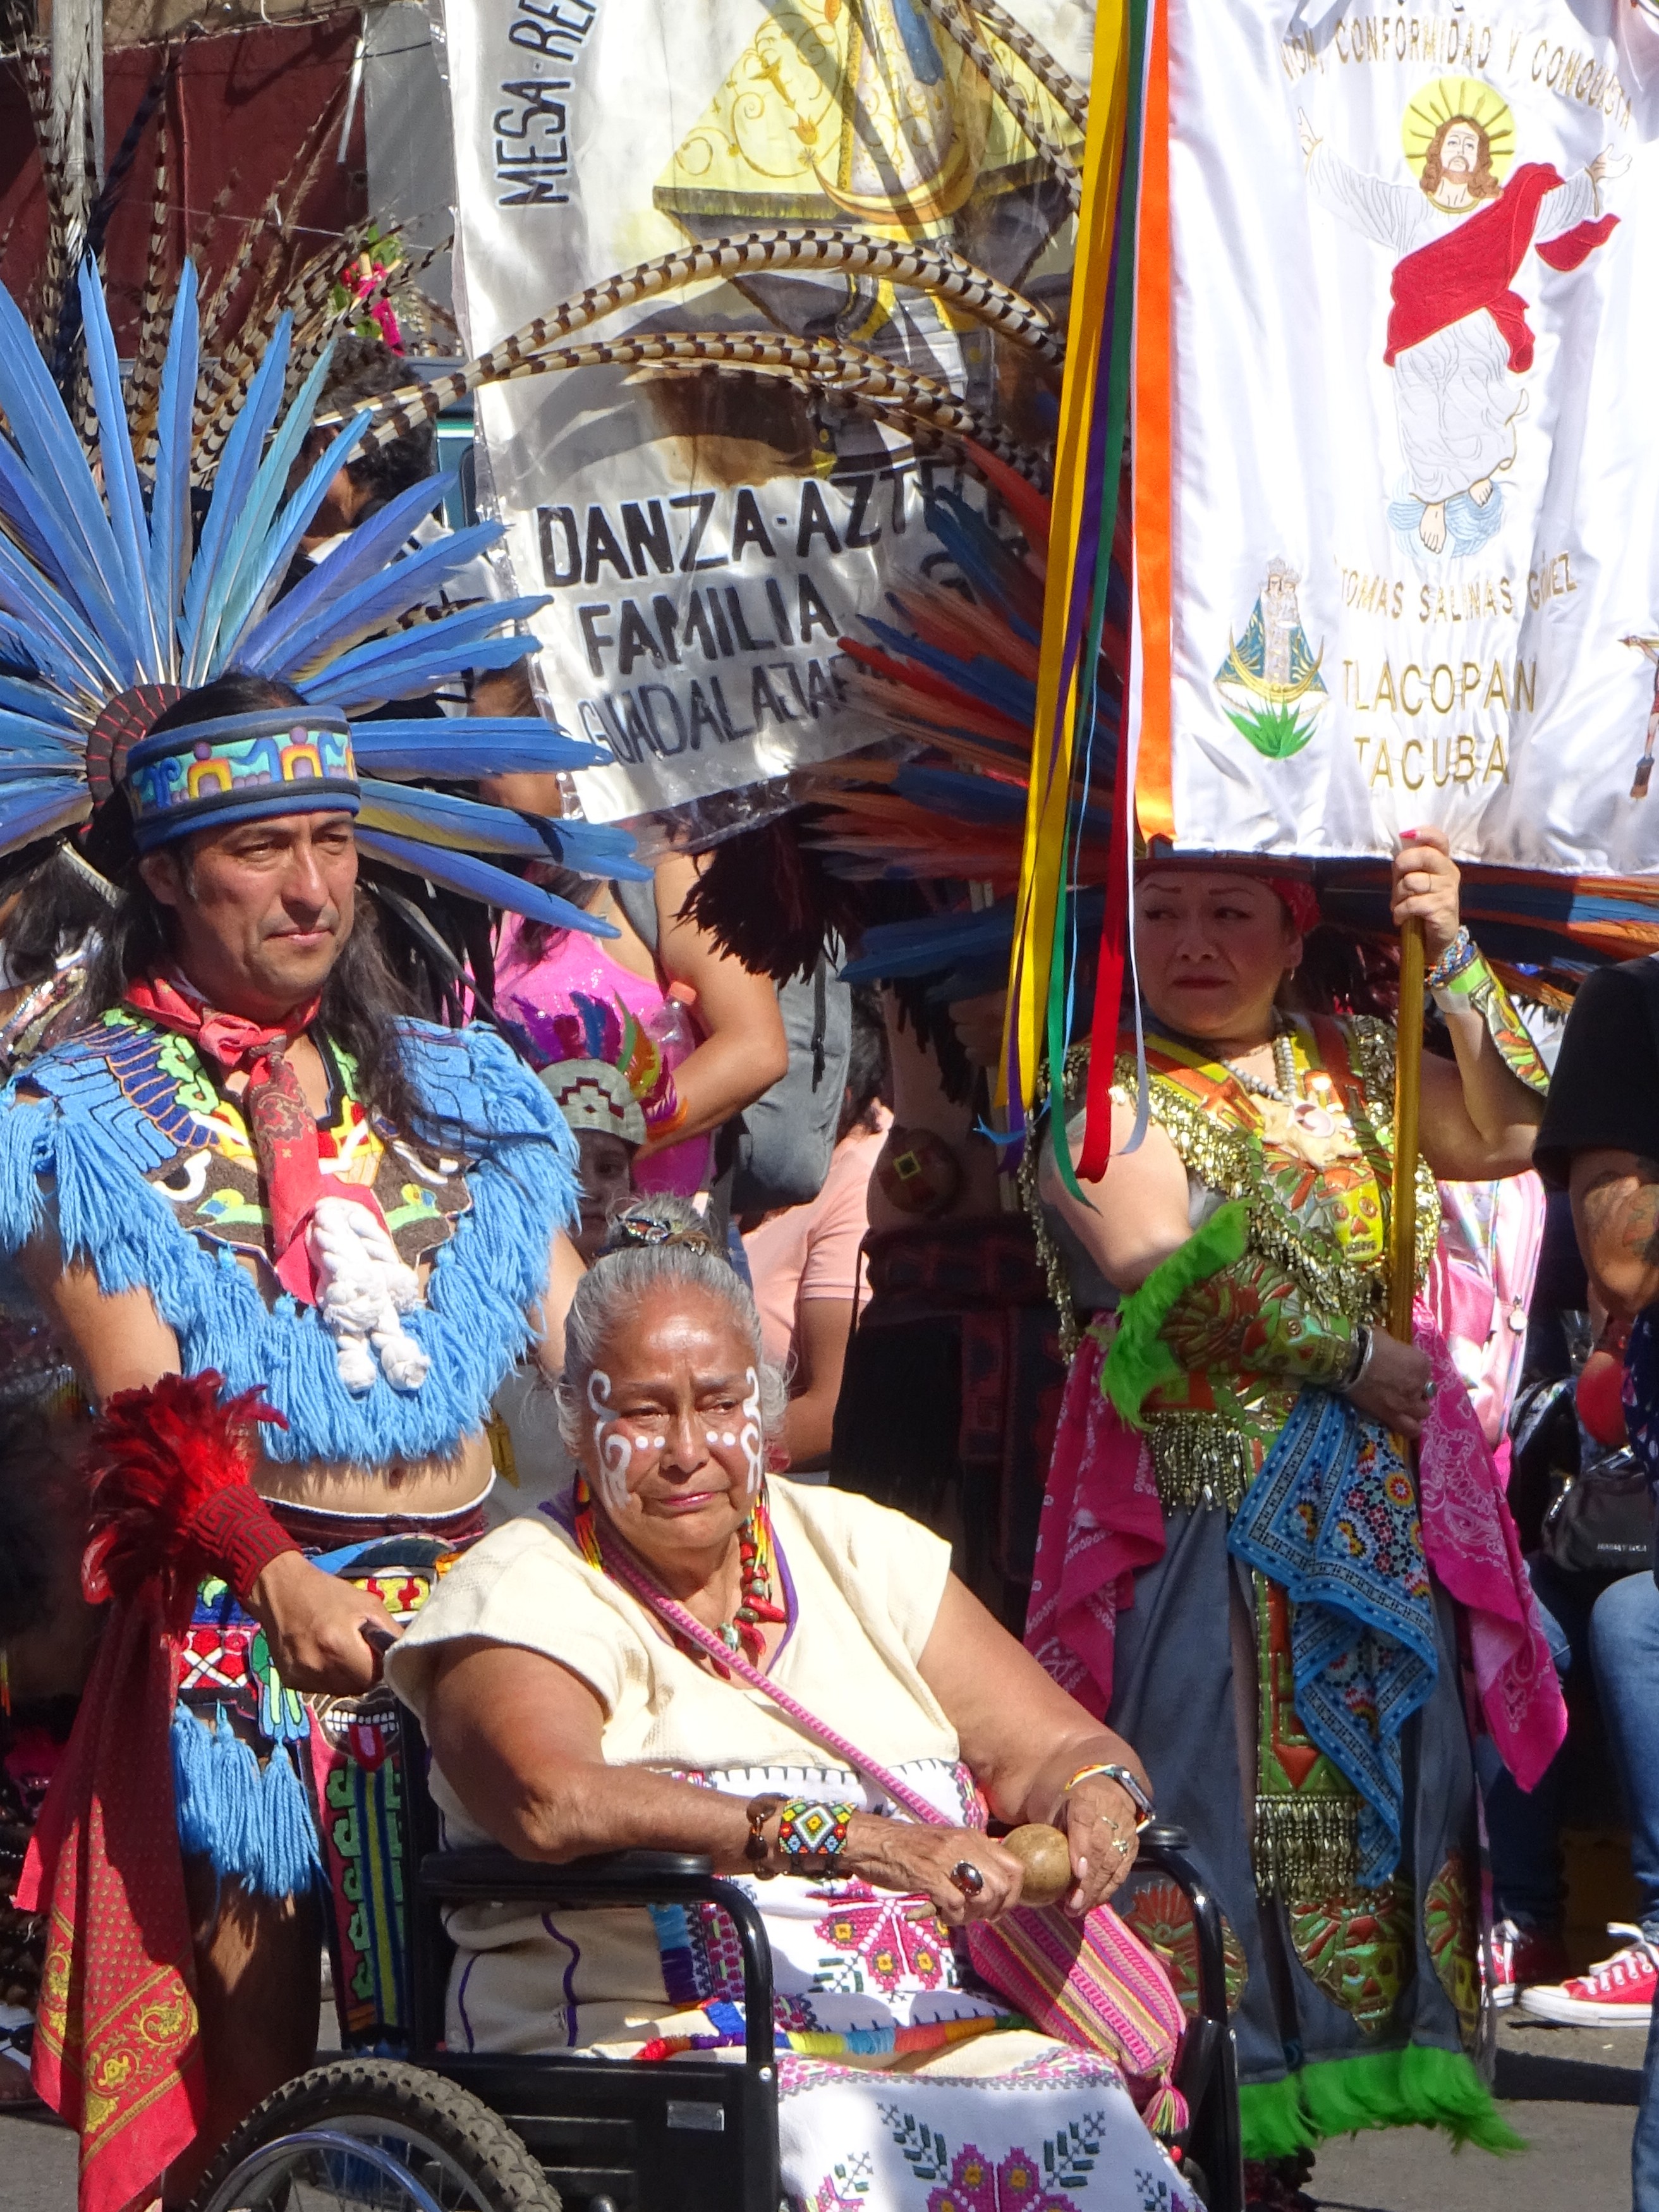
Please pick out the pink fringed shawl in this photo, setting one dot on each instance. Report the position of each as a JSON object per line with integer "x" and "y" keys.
{"x": 1102, "y": 1522}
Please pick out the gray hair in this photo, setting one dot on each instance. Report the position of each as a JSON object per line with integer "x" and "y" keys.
{"x": 615, "y": 1286}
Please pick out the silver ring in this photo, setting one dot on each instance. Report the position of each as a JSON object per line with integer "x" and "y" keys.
{"x": 1429, "y": 1390}
{"x": 968, "y": 1878}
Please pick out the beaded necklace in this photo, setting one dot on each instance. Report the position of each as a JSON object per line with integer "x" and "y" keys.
{"x": 1284, "y": 1063}
{"x": 755, "y": 1552}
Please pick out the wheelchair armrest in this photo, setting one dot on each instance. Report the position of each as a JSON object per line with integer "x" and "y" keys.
{"x": 487, "y": 1874}
{"x": 1165, "y": 1846}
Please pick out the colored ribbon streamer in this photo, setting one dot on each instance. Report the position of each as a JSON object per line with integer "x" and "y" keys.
{"x": 1084, "y": 507}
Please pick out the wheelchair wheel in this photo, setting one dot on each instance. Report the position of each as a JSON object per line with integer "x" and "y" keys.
{"x": 369, "y": 2135}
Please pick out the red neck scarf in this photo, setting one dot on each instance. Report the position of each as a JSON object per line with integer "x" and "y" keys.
{"x": 279, "y": 1122}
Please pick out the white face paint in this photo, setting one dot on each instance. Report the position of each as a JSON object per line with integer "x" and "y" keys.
{"x": 749, "y": 1435}
{"x": 614, "y": 1448}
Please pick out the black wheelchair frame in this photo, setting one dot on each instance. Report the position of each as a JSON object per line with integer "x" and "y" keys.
{"x": 617, "y": 2137}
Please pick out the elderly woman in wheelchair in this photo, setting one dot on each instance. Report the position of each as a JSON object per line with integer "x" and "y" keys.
{"x": 687, "y": 1657}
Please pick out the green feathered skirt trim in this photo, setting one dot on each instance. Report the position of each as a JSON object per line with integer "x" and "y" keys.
{"x": 1139, "y": 1359}
{"x": 1418, "y": 2087}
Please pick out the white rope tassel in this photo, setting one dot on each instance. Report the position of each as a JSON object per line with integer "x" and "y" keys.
{"x": 363, "y": 1286}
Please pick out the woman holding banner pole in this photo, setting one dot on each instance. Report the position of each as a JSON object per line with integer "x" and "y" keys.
{"x": 1274, "y": 1548}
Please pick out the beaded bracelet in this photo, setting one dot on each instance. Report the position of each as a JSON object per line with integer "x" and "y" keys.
{"x": 1461, "y": 953}
{"x": 810, "y": 1831}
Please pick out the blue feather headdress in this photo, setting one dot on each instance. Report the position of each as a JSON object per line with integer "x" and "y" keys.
{"x": 110, "y": 613}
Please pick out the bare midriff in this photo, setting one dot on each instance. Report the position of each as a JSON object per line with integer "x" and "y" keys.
{"x": 422, "y": 1487}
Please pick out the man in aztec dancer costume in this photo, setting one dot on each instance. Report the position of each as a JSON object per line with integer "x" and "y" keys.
{"x": 248, "y": 1174}
{"x": 1236, "y": 1566}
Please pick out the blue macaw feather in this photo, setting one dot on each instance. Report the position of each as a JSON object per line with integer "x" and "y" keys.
{"x": 376, "y": 688}
{"x": 33, "y": 702}
{"x": 507, "y": 745}
{"x": 264, "y": 651}
{"x": 461, "y": 825}
{"x": 170, "y": 517}
{"x": 378, "y": 599}
{"x": 994, "y": 569}
{"x": 44, "y": 755}
{"x": 477, "y": 879}
{"x": 58, "y": 638}
{"x": 66, "y": 499}
{"x": 41, "y": 808}
{"x": 967, "y": 798}
{"x": 121, "y": 491}
{"x": 19, "y": 503}
{"x": 592, "y": 848}
{"x": 981, "y": 799}
{"x": 16, "y": 769}
{"x": 242, "y": 561}
{"x": 233, "y": 483}
{"x": 933, "y": 941}
{"x": 276, "y": 557}
{"x": 466, "y": 825}
{"x": 386, "y": 667}
{"x": 981, "y": 678}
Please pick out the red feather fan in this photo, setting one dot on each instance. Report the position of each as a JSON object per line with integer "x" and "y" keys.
{"x": 165, "y": 1463}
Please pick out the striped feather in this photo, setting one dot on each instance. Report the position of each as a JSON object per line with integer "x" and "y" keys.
{"x": 152, "y": 321}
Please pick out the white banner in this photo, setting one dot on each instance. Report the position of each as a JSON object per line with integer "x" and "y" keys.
{"x": 1416, "y": 446}
{"x": 708, "y": 538}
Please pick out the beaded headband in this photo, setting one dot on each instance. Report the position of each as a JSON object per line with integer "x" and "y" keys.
{"x": 282, "y": 760}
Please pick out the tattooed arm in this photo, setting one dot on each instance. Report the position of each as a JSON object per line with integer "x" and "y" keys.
{"x": 1615, "y": 1211}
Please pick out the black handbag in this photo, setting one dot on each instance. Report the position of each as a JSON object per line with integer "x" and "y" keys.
{"x": 1602, "y": 1522}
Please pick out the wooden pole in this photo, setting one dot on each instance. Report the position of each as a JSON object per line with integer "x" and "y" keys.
{"x": 1408, "y": 1098}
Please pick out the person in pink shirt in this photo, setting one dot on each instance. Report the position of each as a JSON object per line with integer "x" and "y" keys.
{"x": 805, "y": 1260}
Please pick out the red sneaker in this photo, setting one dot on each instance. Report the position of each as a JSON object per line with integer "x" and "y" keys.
{"x": 1522, "y": 1956}
{"x": 1619, "y": 1993}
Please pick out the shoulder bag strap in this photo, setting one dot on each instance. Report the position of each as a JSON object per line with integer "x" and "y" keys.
{"x": 674, "y": 1615}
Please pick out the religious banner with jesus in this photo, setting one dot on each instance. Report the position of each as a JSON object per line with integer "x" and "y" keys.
{"x": 1408, "y": 406}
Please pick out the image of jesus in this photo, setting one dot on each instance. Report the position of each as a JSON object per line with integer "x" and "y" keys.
{"x": 1456, "y": 332}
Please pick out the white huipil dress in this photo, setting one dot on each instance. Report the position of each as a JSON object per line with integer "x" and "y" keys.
{"x": 900, "y": 2090}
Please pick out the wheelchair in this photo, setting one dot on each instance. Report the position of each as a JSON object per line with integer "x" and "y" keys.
{"x": 462, "y": 2131}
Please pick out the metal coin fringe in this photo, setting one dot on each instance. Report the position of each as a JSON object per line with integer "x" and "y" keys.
{"x": 1201, "y": 1460}
{"x": 1306, "y": 1847}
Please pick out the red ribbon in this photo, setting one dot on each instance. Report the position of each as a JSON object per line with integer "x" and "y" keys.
{"x": 279, "y": 1122}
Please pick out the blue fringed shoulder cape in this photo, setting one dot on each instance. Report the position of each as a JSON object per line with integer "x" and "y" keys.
{"x": 89, "y": 1144}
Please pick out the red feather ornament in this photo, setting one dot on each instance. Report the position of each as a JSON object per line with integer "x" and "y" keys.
{"x": 172, "y": 1497}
